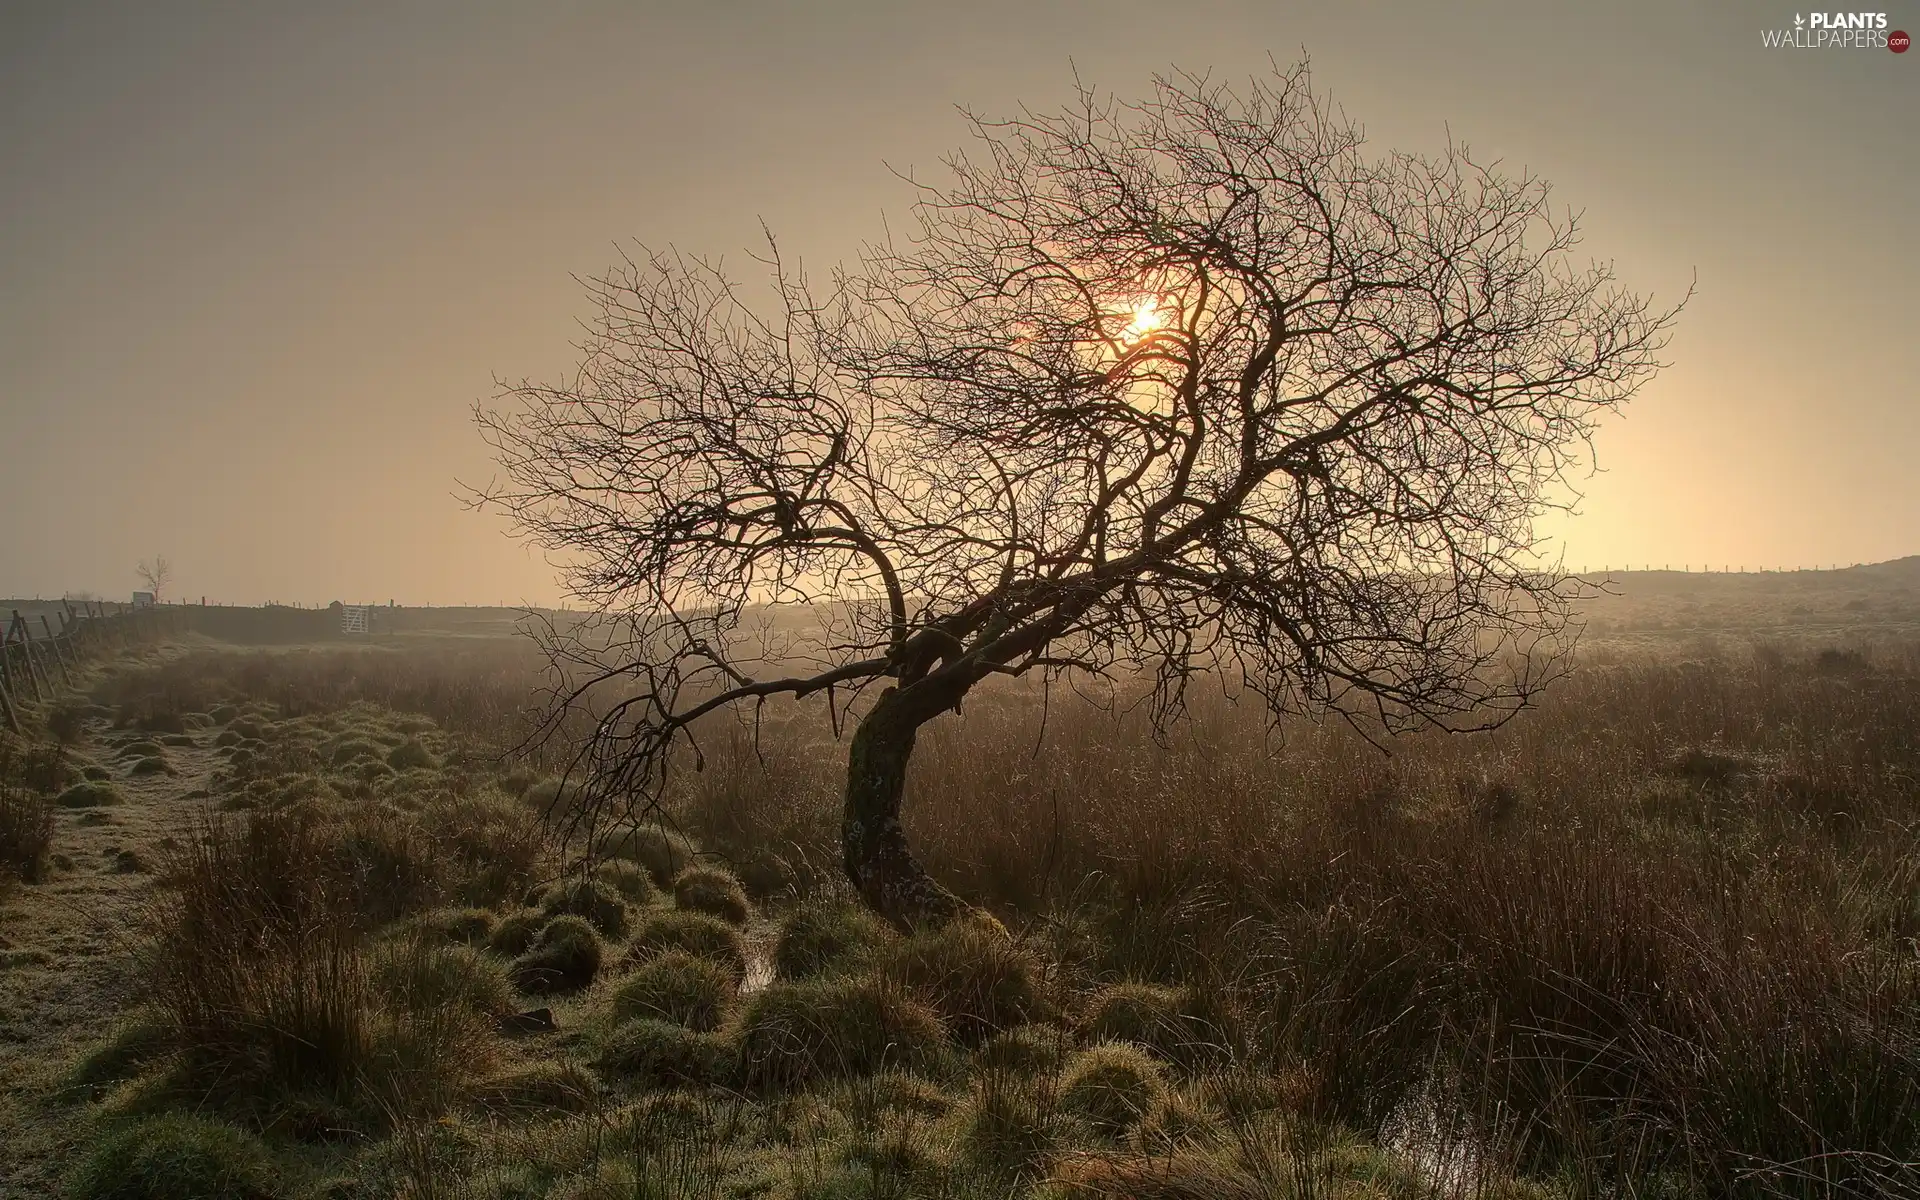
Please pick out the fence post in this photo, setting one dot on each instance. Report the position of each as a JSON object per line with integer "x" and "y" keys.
{"x": 6, "y": 701}
{"x": 58, "y": 657}
{"x": 34, "y": 670}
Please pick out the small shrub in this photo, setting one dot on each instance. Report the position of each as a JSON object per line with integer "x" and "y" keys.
{"x": 663, "y": 852}
{"x": 832, "y": 1028}
{"x": 628, "y": 878}
{"x": 514, "y": 935}
{"x": 822, "y": 937}
{"x": 544, "y": 1087}
{"x": 90, "y": 794}
{"x": 564, "y": 958}
{"x": 973, "y": 976}
{"x": 663, "y": 1054}
{"x": 677, "y": 987}
{"x": 26, "y": 834}
{"x": 1111, "y": 1085}
{"x": 696, "y": 934}
{"x": 177, "y": 1157}
{"x": 713, "y": 891}
{"x": 600, "y": 903}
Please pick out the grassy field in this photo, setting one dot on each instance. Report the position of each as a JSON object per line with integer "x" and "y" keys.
{"x": 284, "y": 922}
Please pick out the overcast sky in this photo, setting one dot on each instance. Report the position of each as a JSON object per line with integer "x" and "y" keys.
{"x": 257, "y": 261}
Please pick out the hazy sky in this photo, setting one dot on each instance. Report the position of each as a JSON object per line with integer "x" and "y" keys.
{"x": 258, "y": 260}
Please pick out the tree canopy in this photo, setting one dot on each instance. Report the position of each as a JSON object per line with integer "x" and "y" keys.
{"x": 1196, "y": 384}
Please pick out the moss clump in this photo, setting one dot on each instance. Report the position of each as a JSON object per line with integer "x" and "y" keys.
{"x": 695, "y": 992}
{"x": 663, "y": 852}
{"x": 90, "y": 794}
{"x": 824, "y": 937}
{"x": 665, "y": 1054}
{"x": 696, "y": 934}
{"x": 564, "y": 958}
{"x": 177, "y": 1157}
{"x": 791, "y": 1033}
{"x": 409, "y": 755}
{"x": 713, "y": 891}
{"x": 973, "y": 975}
{"x": 1111, "y": 1085}
{"x": 600, "y": 903}
{"x": 630, "y": 879}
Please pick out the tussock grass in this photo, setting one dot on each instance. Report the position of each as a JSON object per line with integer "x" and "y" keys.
{"x": 565, "y": 957}
{"x": 663, "y": 852}
{"x": 979, "y": 982}
{"x": 1111, "y": 1085}
{"x": 26, "y": 835}
{"x": 600, "y": 903}
{"x": 827, "y": 935}
{"x": 177, "y": 1157}
{"x": 714, "y": 891}
{"x": 663, "y": 1054}
{"x": 698, "y": 993}
{"x": 696, "y": 934}
{"x": 791, "y": 1033}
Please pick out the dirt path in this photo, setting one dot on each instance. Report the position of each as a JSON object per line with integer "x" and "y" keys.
{"x": 67, "y": 948}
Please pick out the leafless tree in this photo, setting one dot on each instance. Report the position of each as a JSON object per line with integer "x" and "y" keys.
{"x": 156, "y": 573}
{"x": 1193, "y": 385}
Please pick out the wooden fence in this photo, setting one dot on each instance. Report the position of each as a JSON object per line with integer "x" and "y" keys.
{"x": 36, "y": 667}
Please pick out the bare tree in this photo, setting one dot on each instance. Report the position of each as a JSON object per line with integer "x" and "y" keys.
{"x": 156, "y": 573}
{"x": 1191, "y": 385}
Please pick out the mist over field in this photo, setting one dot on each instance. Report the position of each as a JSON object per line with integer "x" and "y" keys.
{"x": 616, "y": 604}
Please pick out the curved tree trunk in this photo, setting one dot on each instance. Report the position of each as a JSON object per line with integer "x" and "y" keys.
{"x": 873, "y": 844}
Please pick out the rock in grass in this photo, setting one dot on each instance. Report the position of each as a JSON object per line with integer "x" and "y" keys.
{"x": 698, "y": 993}
{"x": 91, "y": 793}
{"x": 792, "y": 1033}
{"x": 696, "y": 934}
{"x": 564, "y": 958}
{"x": 823, "y": 937}
{"x": 177, "y": 1157}
{"x": 714, "y": 891}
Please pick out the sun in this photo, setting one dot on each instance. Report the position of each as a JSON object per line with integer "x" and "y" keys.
{"x": 1147, "y": 317}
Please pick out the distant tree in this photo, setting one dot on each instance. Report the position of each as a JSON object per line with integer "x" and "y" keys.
{"x": 156, "y": 573}
{"x": 1191, "y": 385}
